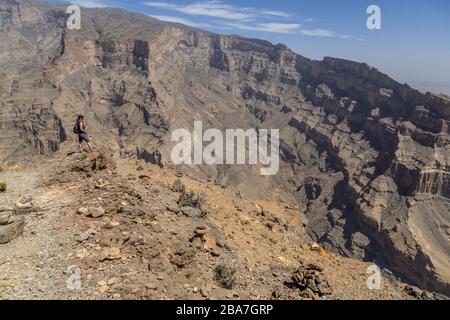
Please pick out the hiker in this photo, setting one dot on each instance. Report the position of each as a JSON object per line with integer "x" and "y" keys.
{"x": 80, "y": 129}
{"x": 123, "y": 152}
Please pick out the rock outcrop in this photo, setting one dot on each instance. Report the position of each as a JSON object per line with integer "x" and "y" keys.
{"x": 11, "y": 226}
{"x": 365, "y": 157}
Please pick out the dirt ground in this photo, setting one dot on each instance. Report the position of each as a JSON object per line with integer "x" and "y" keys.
{"x": 111, "y": 233}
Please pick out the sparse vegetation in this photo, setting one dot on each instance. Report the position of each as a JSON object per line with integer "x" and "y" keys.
{"x": 178, "y": 186}
{"x": 225, "y": 276}
{"x": 2, "y": 186}
{"x": 191, "y": 199}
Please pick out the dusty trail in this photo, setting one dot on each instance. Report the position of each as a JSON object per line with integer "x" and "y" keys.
{"x": 34, "y": 265}
{"x": 151, "y": 252}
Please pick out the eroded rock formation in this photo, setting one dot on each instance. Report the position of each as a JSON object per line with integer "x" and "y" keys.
{"x": 365, "y": 157}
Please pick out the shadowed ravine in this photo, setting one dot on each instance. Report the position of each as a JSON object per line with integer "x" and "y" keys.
{"x": 364, "y": 157}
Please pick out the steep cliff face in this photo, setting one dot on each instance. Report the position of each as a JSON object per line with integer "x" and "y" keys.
{"x": 391, "y": 162}
{"x": 365, "y": 157}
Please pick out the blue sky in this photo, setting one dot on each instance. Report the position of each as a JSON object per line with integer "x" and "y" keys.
{"x": 413, "y": 45}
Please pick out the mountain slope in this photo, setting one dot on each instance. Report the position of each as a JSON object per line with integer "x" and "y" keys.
{"x": 365, "y": 158}
{"x": 140, "y": 244}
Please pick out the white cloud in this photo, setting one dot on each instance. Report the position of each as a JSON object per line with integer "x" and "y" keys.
{"x": 179, "y": 20}
{"x": 241, "y": 18}
{"x": 319, "y": 33}
{"x": 218, "y": 9}
{"x": 275, "y": 13}
{"x": 89, "y": 3}
{"x": 325, "y": 33}
{"x": 267, "y": 27}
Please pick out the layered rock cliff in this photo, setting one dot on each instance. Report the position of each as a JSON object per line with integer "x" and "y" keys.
{"x": 365, "y": 157}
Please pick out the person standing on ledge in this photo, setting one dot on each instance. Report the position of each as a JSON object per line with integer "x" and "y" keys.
{"x": 80, "y": 129}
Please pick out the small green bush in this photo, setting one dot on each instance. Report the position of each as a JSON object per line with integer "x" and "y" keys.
{"x": 2, "y": 186}
{"x": 225, "y": 276}
{"x": 191, "y": 199}
{"x": 178, "y": 186}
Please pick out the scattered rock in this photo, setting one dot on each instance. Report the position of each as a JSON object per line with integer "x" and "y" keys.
{"x": 24, "y": 202}
{"x": 83, "y": 211}
{"x": 225, "y": 276}
{"x": 12, "y": 229}
{"x": 315, "y": 247}
{"x": 210, "y": 243}
{"x": 86, "y": 235}
{"x": 215, "y": 253}
{"x": 111, "y": 254}
{"x": 156, "y": 228}
{"x": 223, "y": 293}
{"x": 173, "y": 207}
{"x": 103, "y": 289}
{"x": 114, "y": 224}
{"x": 191, "y": 212}
{"x": 427, "y": 296}
{"x": 183, "y": 255}
{"x": 197, "y": 242}
{"x": 200, "y": 231}
{"x": 311, "y": 281}
{"x": 96, "y": 212}
{"x": 3, "y": 261}
{"x": 5, "y": 218}
{"x": 102, "y": 283}
{"x": 178, "y": 186}
{"x": 270, "y": 225}
{"x": 414, "y": 291}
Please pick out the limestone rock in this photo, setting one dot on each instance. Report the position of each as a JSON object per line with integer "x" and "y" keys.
{"x": 11, "y": 229}
{"x": 311, "y": 281}
{"x": 361, "y": 152}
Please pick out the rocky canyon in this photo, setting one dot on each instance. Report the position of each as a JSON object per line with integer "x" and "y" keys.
{"x": 364, "y": 158}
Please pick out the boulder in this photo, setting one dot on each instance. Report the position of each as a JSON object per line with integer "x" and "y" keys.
{"x": 96, "y": 212}
{"x": 112, "y": 253}
{"x": 5, "y": 218}
{"x": 173, "y": 207}
{"x": 11, "y": 229}
{"x": 311, "y": 281}
{"x": 191, "y": 212}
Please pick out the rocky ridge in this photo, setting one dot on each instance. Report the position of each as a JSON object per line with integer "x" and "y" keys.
{"x": 364, "y": 157}
{"x": 103, "y": 229}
